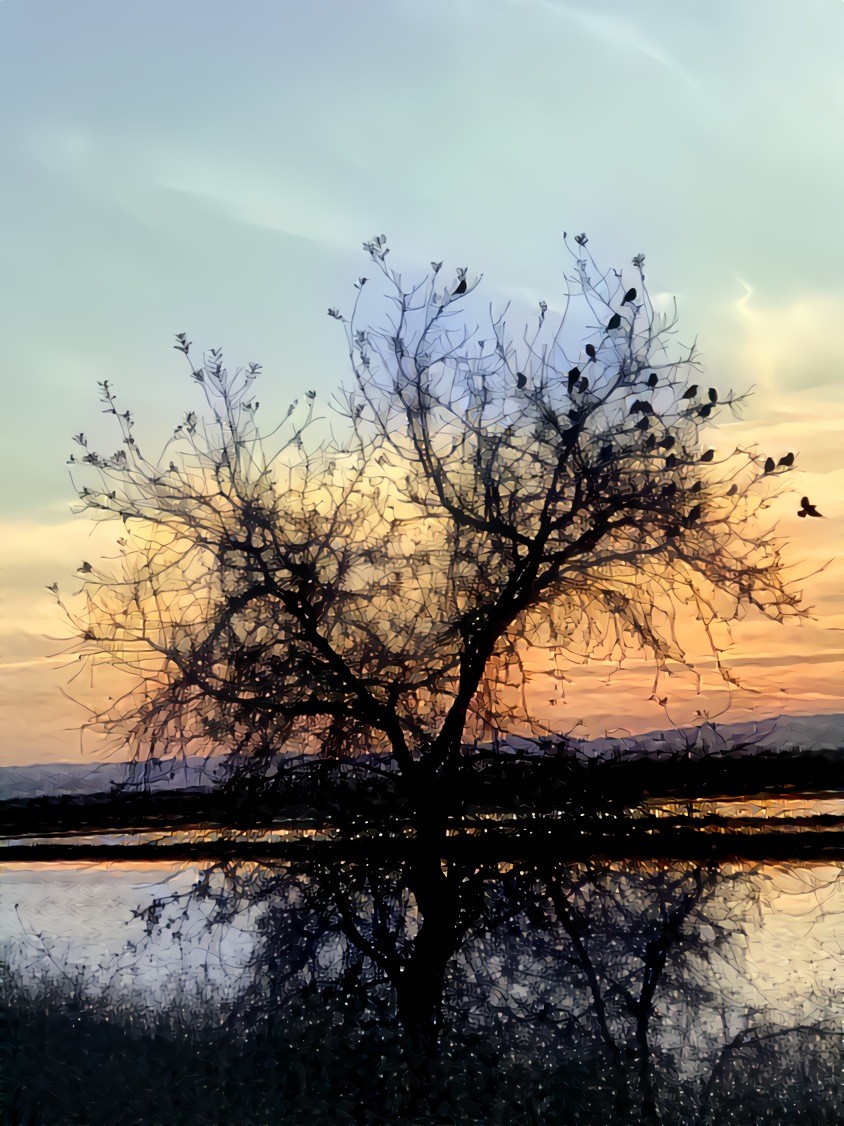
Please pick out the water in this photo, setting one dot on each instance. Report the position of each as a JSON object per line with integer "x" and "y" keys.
{"x": 623, "y": 990}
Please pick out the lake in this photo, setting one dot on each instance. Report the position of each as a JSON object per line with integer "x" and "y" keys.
{"x": 332, "y": 987}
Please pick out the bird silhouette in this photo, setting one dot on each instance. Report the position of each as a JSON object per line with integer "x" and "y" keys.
{"x": 708, "y": 456}
{"x": 713, "y": 395}
{"x": 691, "y": 392}
{"x": 694, "y": 515}
{"x": 574, "y": 376}
{"x": 787, "y": 460}
{"x": 667, "y": 442}
{"x": 86, "y": 567}
{"x": 808, "y": 509}
{"x": 733, "y": 489}
{"x": 583, "y": 386}
{"x": 460, "y": 288}
{"x": 706, "y": 410}
{"x": 521, "y": 379}
{"x": 590, "y": 351}
{"x": 643, "y": 423}
{"x": 630, "y": 295}
{"x": 653, "y": 379}
{"x": 770, "y": 465}
{"x": 614, "y": 322}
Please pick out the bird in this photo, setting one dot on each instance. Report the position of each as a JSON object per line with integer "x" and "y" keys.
{"x": 640, "y": 405}
{"x": 808, "y": 509}
{"x": 643, "y": 423}
{"x": 460, "y": 288}
{"x": 706, "y": 410}
{"x": 86, "y": 567}
{"x": 583, "y": 386}
{"x": 733, "y": 489}
{"x": 667, "y": 442}
{"x": 787, "y": 460}
{"x": 653, "y": 379}
{"x": 630, "y": 295}
{"x": 670, "y": 462}
{"x": 713, "y": 395}
{"x": 770, "y": 465}
{"x": 694, "y": 514}
{"x": 590, "y": 351}
{"x": 691, "y": 392}
{"x": 574, "y": 376}
{"x": 53, "y": 588}
{"x": 708, "y": 456}
{"x": 614, "y": 322}
{"x": 521, "y": 379}
{"x": 670, "y": 489}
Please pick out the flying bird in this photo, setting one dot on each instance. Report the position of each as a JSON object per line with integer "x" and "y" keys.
{"x": 788, "y": 460}
{"x": 691, "y": 392}
{"x": 630, "y": 295}
{"x": 521, "y": 379}
{"x": 808, "y": 509}
{"x": 770, "y": 465}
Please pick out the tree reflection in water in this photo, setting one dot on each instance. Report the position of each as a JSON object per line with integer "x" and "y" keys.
{"x": 602, "y": 990}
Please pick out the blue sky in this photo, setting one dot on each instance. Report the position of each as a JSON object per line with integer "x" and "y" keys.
{"x": 214, "y": 168}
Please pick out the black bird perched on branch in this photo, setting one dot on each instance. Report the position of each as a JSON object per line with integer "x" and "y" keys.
{"x": 630, "y": 295}
{"x": 808, "y": 509}
{"x": 691, "y": 392}
{"x": 713, "y": 395}
{"x": 708, "y": 456}
{"x": 770, "y": 465}
{"x": 653, "y": 379}
{"x": 590, "y": 351}
{"x": 614, "y": 322}
{"x": 521, "y": 379}
{"x": 574, "y": 376}
{"x": 787, "y": 460}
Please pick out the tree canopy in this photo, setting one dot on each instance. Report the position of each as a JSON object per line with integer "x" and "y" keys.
{"x": 382, "y": 585}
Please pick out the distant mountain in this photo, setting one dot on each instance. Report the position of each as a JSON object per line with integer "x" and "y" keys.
{"x": 808, "y": 734}
{"x": 51, "y": 778}
{"x": 818, "y": 734}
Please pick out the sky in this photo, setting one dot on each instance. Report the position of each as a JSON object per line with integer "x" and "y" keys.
{"x": 214, "y": 168}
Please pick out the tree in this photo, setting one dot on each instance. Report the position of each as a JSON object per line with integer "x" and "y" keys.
{"x": 381, "y": 591}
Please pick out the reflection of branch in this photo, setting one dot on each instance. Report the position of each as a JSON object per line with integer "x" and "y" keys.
{"x": 748, "y": 1036}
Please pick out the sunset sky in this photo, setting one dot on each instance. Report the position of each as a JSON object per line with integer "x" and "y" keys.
{"x": 213, "y": 168}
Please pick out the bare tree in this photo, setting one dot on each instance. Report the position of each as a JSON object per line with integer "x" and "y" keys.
{"x": 376, "y": 595}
